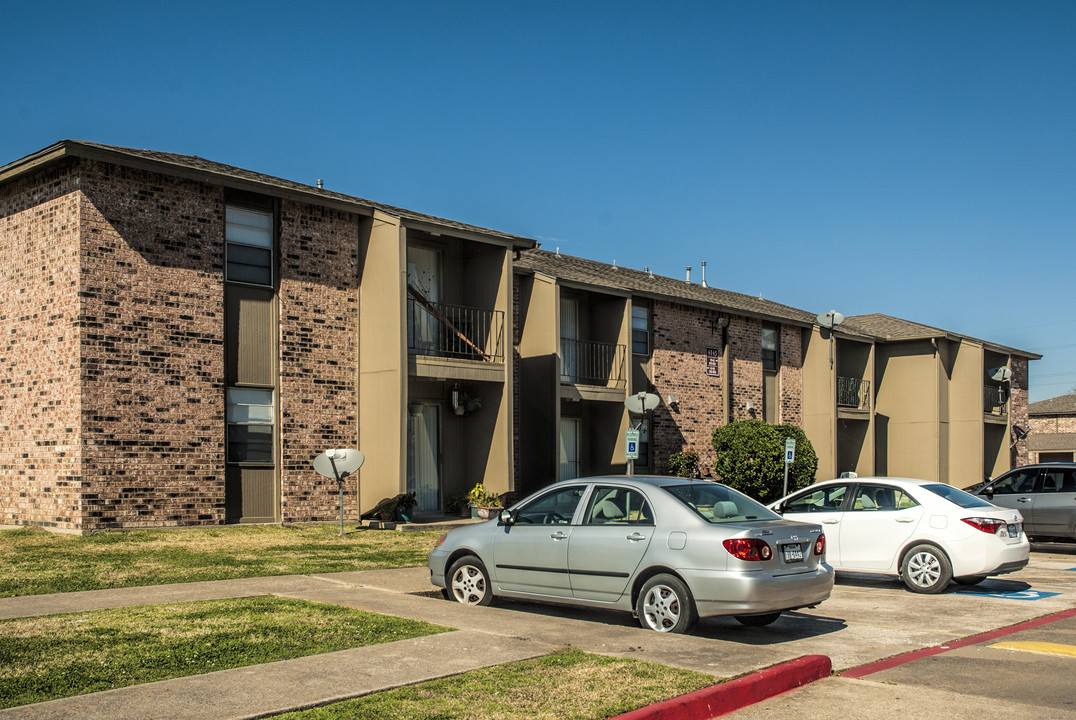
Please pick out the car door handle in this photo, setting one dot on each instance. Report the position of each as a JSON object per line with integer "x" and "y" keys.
{"x": 558, "y": 535}
{"x": 905, "y": 519}
{"x": 830, "y": 522}
{"x": 636, "y": 536}
{"x": 1023, "y": 500}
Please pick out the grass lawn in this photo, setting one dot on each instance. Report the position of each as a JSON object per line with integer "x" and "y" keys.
{"x": 36, "y": 561}
{"x": 63, "y": 655}
{"x": 571, "y": 685}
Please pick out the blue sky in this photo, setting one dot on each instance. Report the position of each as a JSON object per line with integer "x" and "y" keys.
{"x": 912, "y": 158}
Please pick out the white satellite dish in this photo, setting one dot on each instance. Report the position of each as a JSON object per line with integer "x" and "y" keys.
{"x": 830, "y": 319}
{"x": 641, "y": 403}
{"x": 345, "y": 461}
{"x": 999, "y": 374}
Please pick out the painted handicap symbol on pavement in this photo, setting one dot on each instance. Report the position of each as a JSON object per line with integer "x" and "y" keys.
{"x": 1028, "y": 595}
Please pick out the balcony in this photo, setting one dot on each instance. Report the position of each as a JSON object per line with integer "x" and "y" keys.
{"x": 995, "y": 400}
{"x": 454, "y": 331}
{"x": 853, "y": 393}
{"x": 592, "y": 363}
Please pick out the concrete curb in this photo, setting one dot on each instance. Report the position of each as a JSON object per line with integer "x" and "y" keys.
{"x": 735, "y": 694}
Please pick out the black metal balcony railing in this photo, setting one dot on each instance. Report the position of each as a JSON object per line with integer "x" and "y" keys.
{"x": 853, "y": 393}
{"x": 454, "y": 331}
{"x": 592, "y": 363}
{"x": 995, "y": 400}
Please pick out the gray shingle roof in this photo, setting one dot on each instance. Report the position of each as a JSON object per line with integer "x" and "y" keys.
{"x": 172, "y": 163}
{"x": 638, "y": 282}
{"x": 1051, "y": 441}
{"x": 1061, "y": 405}
{"x": 886, "y": 327}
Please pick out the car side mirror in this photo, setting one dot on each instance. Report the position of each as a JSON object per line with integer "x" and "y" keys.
{"x": 988, "y": 491}
{"x": 507, "y": 517}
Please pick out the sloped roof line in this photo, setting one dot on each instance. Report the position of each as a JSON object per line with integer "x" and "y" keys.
{"x": 173, "y": 162}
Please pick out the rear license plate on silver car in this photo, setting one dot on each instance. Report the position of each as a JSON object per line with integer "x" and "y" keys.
{"x": 792, "y": 553}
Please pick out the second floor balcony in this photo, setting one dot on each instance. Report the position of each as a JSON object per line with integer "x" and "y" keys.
{"x": 454, "y": 331}
{"x": 995, "y": 400}
{"x": 853, "y": 393}
{"x": 584, "y": 362}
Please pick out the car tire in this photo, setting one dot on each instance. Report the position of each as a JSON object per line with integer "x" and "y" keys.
{"x": 926, "y": 570}
{"x": 468, "y": 582}
{"x": 758, "y": 620}
{"x": 665, "y": 605}
{"x": 969, "y": 579}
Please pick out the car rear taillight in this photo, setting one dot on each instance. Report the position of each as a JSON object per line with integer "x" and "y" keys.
{"x": 751, "y": 549}
{"x": 820, "y": 545}
{"x": 986, "y": 525}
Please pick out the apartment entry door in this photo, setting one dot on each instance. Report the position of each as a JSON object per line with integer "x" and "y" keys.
{"x": 424, "y": 455}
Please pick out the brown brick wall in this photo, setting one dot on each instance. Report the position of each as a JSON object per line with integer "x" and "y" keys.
{"x": 40, "y": 460}
{"x": 681, "y": 336}
{"x": 318, "y": 355}
{"x": 152, "y": 345}
{"x": 1018, "y": 402}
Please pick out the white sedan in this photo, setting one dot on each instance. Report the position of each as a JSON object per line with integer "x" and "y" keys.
{"x": 926, "y": 533}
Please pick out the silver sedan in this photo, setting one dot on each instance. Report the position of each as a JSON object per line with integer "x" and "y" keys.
{"x": 669, "y": 550}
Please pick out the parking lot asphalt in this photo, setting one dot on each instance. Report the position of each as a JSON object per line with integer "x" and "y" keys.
{"x": 867, "y": 619}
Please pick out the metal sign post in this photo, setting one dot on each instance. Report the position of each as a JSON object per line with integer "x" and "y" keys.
{"x": 638, "y": 404}
{"x": 790, "y": 454}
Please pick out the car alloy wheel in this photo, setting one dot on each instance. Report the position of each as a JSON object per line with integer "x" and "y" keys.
{"x": 926, "y": 569}
{"x": 665, "y": 605}
{"x": 468, "y": 582}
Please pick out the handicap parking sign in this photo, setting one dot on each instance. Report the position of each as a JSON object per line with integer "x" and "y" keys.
{"x": 1028, "y": 595}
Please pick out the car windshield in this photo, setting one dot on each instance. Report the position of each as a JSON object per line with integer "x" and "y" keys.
{"x": 957, "y": 497}
{"x": 719, "y": 504}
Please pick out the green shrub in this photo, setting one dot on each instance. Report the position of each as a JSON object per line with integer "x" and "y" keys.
{"x": 750, "y": 457}
{"x": 684, "y": 464}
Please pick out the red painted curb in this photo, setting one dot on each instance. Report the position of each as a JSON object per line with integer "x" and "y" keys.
{"x": 735, "y": 694}
{"x": 896, "y": 660}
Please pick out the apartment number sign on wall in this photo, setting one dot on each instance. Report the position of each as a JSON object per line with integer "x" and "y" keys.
{"x": 713, "y": 362}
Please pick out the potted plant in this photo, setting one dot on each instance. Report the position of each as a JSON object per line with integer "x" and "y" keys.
{"x": 484, "y": 504}
{"x": 459, "y": 504}
{"x": 405, "y": 503}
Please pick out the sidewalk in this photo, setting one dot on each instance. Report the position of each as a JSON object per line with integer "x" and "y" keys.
{"x": 262, "y": 690}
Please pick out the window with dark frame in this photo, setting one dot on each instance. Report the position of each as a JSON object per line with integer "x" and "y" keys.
{"x": 248, "y": 235}
{"x": 250, "y": 425}
{"x": 640, "y": 329}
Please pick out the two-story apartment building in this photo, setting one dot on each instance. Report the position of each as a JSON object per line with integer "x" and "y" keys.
{"x": 181, "y": 337}
{"x": 887, "y": 396}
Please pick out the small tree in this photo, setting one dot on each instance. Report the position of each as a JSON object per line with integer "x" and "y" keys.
{"x": 750, "y": 457}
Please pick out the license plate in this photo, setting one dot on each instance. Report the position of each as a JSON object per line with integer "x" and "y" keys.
{"x": 792, "y": 553}
{"x": 1014, "y": 530}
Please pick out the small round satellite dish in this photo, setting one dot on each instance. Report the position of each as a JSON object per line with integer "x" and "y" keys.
{"x": 999, "y": 374}
{"x": 347, "y": 461}
{"x": 641, "y": 403}
{"x": 831, "y": 319}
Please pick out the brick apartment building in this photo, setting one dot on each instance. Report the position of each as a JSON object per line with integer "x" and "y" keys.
{"x": 180, "y": 338}
{"x": 1053, "y": 429}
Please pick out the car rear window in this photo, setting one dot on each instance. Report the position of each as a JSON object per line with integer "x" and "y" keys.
{"x": 719, "y": 504}
{"x": 955, "y": 496}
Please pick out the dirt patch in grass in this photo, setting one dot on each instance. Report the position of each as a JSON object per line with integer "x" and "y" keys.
{"x": 566, "y": 686}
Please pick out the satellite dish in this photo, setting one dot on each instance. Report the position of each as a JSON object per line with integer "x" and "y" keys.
{"x": 830, "y": 319}
{"x": 999, "y": 374}
{"x": 641, "y": 403}
{"x": 346, "y": 461}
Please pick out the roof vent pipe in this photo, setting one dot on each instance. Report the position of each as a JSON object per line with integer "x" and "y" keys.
{"x": 321, "y": 184}
{"x": 688, "y": 278}
{"x": 704, "y": 274}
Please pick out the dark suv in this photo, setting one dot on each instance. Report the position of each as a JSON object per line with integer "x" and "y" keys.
{"x": 1045, "y": 495}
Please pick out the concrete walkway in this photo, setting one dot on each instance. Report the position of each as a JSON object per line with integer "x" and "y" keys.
{"x": 862, "y": 622}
